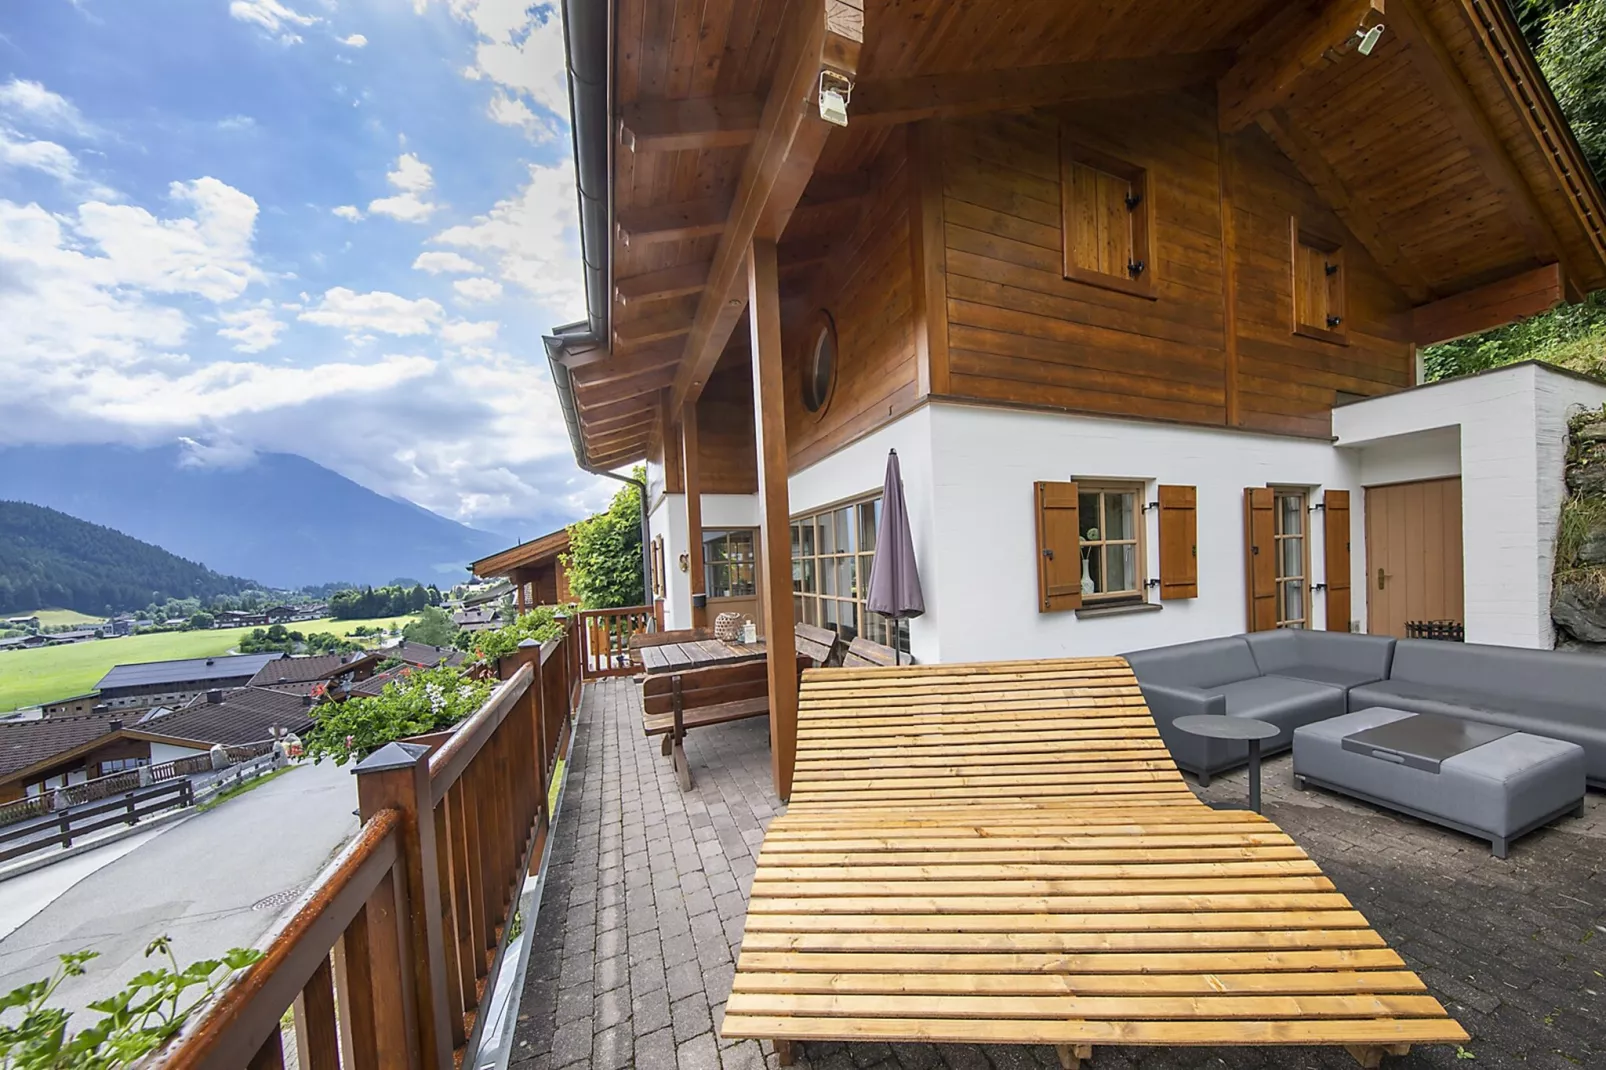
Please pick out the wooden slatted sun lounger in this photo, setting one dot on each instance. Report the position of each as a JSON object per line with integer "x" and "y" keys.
{"x": 1005, "y": 853}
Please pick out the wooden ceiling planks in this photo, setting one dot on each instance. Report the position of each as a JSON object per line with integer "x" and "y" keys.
{"x": 1380, "y": 125}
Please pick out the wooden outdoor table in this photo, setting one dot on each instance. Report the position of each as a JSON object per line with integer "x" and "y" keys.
{"x": 698, "y": 654}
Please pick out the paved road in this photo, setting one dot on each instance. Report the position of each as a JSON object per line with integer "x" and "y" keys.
{"x": 196, "y": 881}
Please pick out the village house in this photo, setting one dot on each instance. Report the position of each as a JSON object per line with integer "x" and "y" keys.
{"x": 145, "y": 685}
{"x": 535, "y": 569}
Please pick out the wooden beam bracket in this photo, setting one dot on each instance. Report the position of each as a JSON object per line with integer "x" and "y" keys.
{"x": 1494, "y": 305}
{"x": 1300, "y": 40}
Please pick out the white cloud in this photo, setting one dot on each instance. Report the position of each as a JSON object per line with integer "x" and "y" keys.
{"x": 31, "y": 101}
{"x": 478, "y": 289}
{"x": 520, "y": 48}
{"x": 437, "y": 262}
{"x": 46, "y": 156}
{"x": 348, "y": 211}
{"x": 356, "y": 40}
{"x": 386, "y": 313}
{"x": 511, "y": 111}
{"x": 208, "y": 253}
{"x": 272, "y": 17}
{"x": 413, "y": 181}
{"x": 252, "y": 329}
{"x": 467, "y": 332}
{"x": 535, "y": 239}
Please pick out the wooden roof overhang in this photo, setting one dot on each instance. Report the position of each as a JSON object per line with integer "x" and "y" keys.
{"x": 532, "y": 554}
{"x": 1443, "y": 152}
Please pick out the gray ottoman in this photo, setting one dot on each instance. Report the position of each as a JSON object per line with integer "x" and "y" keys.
{"x": 1441, "y": 770}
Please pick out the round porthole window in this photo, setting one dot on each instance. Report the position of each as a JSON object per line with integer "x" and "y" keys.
{"x": 819, "y": 365}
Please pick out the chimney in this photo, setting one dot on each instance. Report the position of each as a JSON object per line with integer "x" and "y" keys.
{"x": 214, "y": 696}
{"x": 115, "y": 726}
{"x": 306, "y": 700}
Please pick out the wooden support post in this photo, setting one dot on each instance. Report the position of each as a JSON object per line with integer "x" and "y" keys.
{"x": 926, "y": 244}
{"x": 694, "y": 516}
{"x": 785, "y": 1052}
{"x": 396, "y": 776}
{"x": 1371, "y": 1055}
{"x": 769, "y": 411}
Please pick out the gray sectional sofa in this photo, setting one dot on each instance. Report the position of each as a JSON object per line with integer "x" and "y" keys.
{"x": 1286, "y": 678}
{"x": 1291, "y": 678}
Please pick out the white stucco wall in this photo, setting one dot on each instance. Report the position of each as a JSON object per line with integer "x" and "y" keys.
{"x": 1511, "y": 426}
{"x": 985, "y": 462}
{"x": 1434, "y": 454}
{"x": 167, "y": 752}
{"x": 668, "y": 518}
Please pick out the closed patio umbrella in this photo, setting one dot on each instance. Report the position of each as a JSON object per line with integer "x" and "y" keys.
{"x": 894, "y": 577}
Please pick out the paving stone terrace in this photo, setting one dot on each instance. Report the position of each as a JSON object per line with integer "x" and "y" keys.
{"x": 641, "y": 920}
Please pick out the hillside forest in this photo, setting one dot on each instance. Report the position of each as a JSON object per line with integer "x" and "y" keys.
{"x": 48, "y": 558}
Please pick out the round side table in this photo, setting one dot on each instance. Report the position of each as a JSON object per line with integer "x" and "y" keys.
{"x": 1246, "y": 729}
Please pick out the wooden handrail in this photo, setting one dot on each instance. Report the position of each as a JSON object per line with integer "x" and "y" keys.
{"x": 390, "y": 953}
{"x": 246, "y": 1014}
{"x": 605, "y": 635}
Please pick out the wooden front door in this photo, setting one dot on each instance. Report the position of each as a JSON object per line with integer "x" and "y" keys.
{"x": 1413, "y": 554}
{"x": 730, "y": 556}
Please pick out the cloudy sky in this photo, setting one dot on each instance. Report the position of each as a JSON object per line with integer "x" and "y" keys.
{"x": 328, "y": 227}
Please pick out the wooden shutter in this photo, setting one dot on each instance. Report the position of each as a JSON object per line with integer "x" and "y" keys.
{"x": 1059, "y": 548}
{"x": 1335, "y": 555}
{"x": 1179, "y": 543}
{"x": 1260, "y": 557}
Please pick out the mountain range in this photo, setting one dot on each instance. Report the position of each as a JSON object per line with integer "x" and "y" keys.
{"x": 48, "y": 558}
{"x": 276, "y": 517}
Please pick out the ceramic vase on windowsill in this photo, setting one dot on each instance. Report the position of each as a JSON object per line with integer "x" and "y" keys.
{"x": 1087, "y": 578}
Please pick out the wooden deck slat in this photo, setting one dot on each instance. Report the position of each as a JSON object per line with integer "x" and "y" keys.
{"x": 1006, "y": 853}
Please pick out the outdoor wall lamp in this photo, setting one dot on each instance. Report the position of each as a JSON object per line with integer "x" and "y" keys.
{"x": 685, "y": 562}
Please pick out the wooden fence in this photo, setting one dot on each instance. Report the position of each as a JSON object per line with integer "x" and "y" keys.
{"x": 607, "y": 635}
{"x": 19, "y": 840}
{"x": 116, "y": 783}
{"x": 388, "y": 956}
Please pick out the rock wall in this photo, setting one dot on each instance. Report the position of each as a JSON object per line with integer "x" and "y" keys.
{"x": 1578, "y": 598}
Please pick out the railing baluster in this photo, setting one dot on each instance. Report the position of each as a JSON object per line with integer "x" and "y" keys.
{"x": 271, "y": 1055}
{"x": 454, "y": 924}
{"x": 317, "y": 1040}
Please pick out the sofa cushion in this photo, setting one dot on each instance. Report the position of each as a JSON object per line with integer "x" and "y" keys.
{"x": 1204, "y": 664}
{"x": 1283, "y": 702}
{"x": 1339, "y": 658}
{"x": 1507, "y": 677}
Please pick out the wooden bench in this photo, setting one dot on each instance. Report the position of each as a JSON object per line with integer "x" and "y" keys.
{"x": 1005, "y": 853}
{"x": 675, "y": 703}
{"x": 863, "y": 654}
{"x": 822, "y": 646}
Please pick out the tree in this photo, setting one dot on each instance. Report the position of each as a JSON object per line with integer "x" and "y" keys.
{"x": 201, "y": 621}
{"x": 604, "y": 558}
{"x": 433, "y": 627}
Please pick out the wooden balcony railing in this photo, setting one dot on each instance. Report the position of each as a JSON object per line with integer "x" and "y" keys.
{"x": 389, "y": 955}
{"x": 607, "y": 638}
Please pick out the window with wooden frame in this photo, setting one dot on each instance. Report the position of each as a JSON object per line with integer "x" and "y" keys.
{"x": 1107, "y": 220}
{"x": 1292, "y": 555}
{"x": 730, "y": 562}
{"x": 1112, "y": 550}
{"x": 1318, "y": 286}
{"x": 831, "y": 554}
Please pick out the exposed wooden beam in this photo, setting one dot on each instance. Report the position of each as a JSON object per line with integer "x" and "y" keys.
{"x": 769, "y": 418}
{"x": 708, "y": 123}
{"x": 627, "y": 386}
{"x": 1298, "y": 41}
{"x": 948, "y": 96}
{"x": 637, "y": 332}
{"x": 637, "y": 417}
{"x": 672, "y": 222}
{"x": 1306, "y": 155}
{"x": 1494, "y": 305}
{"x": 625, "y": 365}
{"x": 681, "y": 280}
{"x": 1432, "y": 60}
{"x": 821, "y": 34}
{"x": 598, "y": 415}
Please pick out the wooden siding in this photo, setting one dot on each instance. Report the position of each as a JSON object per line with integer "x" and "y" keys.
{"x": 726, "y": 445}
{"x": 1020, "y": 332}
{"x": 869, "y": 294}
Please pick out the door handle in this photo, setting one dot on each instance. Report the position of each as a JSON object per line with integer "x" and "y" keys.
{"x": 1381, "y": 576}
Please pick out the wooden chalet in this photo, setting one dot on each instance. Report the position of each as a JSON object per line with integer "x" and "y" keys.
{"x": 1163, "y": 270}
{"x": 535, "y": 568}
